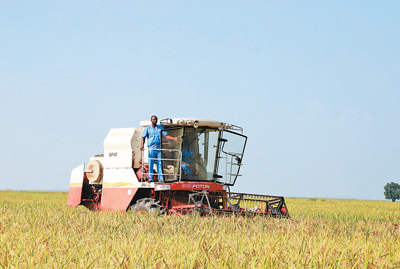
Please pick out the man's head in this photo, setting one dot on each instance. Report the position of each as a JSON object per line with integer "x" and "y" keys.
{"x": 154, "y": 120}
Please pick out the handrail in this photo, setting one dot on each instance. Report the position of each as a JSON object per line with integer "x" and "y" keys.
{"x": 179, "y": 160}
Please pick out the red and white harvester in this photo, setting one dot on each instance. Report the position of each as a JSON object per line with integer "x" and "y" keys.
{"x": 197, "y": 171}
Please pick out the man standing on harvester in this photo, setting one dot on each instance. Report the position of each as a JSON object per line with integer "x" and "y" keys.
{"x": 153, "y": 135}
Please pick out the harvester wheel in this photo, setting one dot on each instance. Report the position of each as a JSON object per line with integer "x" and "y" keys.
{"x": 148, "y": 206}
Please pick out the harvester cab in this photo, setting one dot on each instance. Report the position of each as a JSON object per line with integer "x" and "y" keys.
{"x": 191, "y": 173}
{"x": 202, "y": 153}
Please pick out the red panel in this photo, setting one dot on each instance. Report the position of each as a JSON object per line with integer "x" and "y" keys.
{"x": 74, "y": 196}
{"x": 117, "y": 199}
{"x": 197, "y": 186}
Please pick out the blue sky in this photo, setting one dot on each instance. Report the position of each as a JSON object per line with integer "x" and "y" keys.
{"x": 315, "y": 85}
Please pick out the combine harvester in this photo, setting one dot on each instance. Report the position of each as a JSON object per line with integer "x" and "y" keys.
{"x": 197, "y": 171}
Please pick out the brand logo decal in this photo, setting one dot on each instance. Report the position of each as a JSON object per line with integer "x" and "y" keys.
{"x": 196, "y": 186}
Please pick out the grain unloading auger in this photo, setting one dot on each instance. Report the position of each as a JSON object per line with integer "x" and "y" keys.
{"x": 197, "y": 172}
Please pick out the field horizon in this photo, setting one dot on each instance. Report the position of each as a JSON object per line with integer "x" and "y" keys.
{"x": 39, "y": 230}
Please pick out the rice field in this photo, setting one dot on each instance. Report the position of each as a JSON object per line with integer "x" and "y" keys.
{"x": 38, "y": 230}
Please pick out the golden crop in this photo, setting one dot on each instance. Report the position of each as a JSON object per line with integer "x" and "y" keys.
{"x": 38, "y": 230}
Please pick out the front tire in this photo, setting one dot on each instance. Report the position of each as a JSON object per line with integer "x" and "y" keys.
{"x": 148, "y": 206}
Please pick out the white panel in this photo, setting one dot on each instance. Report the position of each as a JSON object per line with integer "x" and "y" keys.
{"x": 77, "y": 174}
{"x": 118, "y": 148}
{"x": 119, "y": 178}
{"x": 136, "y": 143}
{"x": 118, "y": 158}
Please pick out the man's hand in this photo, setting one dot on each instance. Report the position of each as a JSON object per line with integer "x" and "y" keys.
{"x": 171, "y": 138}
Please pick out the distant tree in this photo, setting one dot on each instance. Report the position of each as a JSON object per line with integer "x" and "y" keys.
{"x": 392, "y": 191}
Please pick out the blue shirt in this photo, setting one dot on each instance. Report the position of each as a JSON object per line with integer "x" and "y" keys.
{"x": 153, "y": 136}
{"x": 187, "y": 155}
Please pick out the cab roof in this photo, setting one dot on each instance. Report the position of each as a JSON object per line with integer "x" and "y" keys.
{"x": 195, "y": 122}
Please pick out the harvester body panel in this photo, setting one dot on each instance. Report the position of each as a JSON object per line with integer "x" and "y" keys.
{"x": 121, "y": 148}
{"x": 75, "y": 186}
{"x": 117, "y": 198}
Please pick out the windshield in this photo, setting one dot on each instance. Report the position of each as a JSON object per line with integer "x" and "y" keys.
{"x": 198, "y": 152}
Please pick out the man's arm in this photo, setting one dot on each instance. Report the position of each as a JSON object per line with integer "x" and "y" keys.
{"x": 167, "y": 136}
{"x": 143, "y": 139}
{"x": 171, "y": 138}
{"x": 144, "y": 135}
